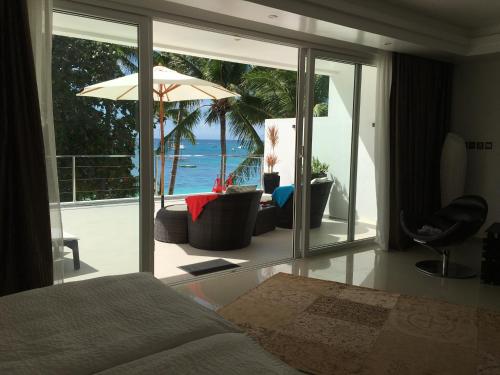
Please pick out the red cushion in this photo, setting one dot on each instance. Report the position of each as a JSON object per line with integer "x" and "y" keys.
{"x": 195, "y": 203}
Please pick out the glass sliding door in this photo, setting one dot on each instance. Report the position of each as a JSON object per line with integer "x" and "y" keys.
{"x": 329, "y": 129}
{"x": 337, "y": 177}
{"x": 99, "y": 125}
{"x": 243, "y": 134}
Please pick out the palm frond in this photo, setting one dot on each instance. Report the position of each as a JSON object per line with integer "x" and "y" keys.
{"x": 251, "y": 166}
{"x": 184, "y": 128}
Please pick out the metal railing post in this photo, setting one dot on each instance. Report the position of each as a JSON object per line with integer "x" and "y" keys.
{"x": 73, "y": 158}
{"x": 261, "y": 172}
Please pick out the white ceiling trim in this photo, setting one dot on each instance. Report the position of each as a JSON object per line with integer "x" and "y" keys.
{"x": 486, "y": 31}
{"x": 485, "y": 45}
{"x": 177, "y": 12}
{"x": 388, "y": 28}
{"x": 385, "y": 19}
{"x": 381, "y": 19}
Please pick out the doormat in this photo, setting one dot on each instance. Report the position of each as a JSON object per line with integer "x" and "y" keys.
{"x": 324, "y": 327}
{"x": 202, "y": 268}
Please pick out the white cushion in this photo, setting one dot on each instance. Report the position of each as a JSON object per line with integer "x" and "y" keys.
{"x": 320, "y": 180}
{"x": 231, "y": 189}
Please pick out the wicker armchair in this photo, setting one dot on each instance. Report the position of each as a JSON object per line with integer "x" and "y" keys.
{"x": 319, "y": 197}
{"x": 226, "y": 223}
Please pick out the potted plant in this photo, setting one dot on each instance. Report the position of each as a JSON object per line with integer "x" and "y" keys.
{"x": 271, "y": 178}
{"x": 318, "y": 169}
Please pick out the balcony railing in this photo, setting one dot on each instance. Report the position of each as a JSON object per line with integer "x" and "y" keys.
{"x": 84, "y": 178}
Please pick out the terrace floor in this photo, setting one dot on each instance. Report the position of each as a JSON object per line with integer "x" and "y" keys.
{"x": 109, "y": 242}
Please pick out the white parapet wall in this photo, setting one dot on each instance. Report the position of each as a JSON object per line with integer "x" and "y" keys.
{"x": 331, "y": 144}
{"x": 284, "y": 150}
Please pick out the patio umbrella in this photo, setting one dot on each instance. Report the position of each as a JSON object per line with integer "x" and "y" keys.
{"x": 168, "y": 86}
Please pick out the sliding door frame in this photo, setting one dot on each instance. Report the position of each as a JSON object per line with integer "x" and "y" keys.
{"x": 353, "y": 176}
{"x": 309, "y": 73}
{"x": 144, "y": 26}
{"x": 144, "y": 17}
{"x": 299, "y": 234}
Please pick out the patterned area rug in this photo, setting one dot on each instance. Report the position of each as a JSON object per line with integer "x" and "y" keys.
{"x": 324, "y": 327}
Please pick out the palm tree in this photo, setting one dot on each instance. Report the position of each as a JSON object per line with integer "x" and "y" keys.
{"x": 186, "y": 116}
{"x": 277, "y": 90}
{"x": 241, "y": 115}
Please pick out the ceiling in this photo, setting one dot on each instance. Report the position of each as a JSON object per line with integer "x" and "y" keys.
{"x": 471, "y": 14}
{"x": 445, "y": 29}
{"x": 289, "y": 22}
{"x": 460, "y": 27}
{"x": 189, "y": 41}
{"x": 202, "y": 43}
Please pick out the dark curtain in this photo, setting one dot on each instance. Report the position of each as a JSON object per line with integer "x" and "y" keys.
{"x": 419, "y": 120}
{"x": 25, "y": 238}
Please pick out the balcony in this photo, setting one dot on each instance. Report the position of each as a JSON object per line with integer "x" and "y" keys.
{"x": 108, "y": 228}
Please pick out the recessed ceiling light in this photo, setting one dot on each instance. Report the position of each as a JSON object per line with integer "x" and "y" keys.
{"x": 272, "y": 16}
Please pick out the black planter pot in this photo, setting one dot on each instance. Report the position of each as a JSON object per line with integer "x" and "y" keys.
{"x": 271, "y": 182}
{"x": 317, "y": 175}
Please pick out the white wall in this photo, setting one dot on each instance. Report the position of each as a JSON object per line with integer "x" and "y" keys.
{"x": 332, "y": 145}
{"x": 285, "y": 149}
{"x": 332, "y": 139}
{"x": 366, "y": 199}
{"x": 476, "y": 117}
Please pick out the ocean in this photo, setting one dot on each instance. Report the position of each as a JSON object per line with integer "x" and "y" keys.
{"x": 199, "y": 165}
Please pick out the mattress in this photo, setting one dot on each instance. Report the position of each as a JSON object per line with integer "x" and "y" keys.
{"x": 127, "y": 324}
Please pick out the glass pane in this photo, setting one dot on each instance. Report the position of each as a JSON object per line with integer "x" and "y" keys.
{"x": 222, "y": 138}
{"x": 97, "y": 141}
{"x": 331, "y": 152}
{"x": 366, "y": 200}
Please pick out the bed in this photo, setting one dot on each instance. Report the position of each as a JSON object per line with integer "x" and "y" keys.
{"x": 128, "y": 324}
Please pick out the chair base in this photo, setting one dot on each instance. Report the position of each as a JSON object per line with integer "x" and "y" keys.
{"x": 452, "y": 270}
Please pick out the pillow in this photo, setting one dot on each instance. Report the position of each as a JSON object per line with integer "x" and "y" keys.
{"x": 232, "y": 189}
{"x": 320, "y": 180}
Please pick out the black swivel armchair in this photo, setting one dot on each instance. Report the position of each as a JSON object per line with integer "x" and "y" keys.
{"x": 451, "y": 225}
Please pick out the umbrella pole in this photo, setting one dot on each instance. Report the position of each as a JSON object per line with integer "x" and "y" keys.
{"x": 162, "y": 152}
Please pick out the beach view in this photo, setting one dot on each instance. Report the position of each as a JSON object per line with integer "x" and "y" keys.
{"x": 215, "y": 119}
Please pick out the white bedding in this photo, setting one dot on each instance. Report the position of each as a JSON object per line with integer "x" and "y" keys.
{"x": 122, "y": 325}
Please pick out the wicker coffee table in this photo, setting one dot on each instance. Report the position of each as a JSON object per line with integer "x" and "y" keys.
{"x": 171, "y": 224}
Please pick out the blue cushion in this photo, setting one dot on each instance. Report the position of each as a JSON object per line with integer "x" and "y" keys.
{"x": 282, "y": 194}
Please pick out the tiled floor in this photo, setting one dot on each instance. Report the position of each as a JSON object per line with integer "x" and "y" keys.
{"x": 364, "y": 266}
{"x": 109, "y": 242}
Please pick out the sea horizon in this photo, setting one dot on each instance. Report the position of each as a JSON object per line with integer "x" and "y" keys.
{"x": 199, "y": 165}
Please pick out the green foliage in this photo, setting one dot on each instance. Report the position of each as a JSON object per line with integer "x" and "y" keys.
{"x": 93, "y": 126}
{"x": 241, "y": 115}
{"x": 277, "y": 89}
{"x": 321, "y": 84}
{"x": 318, "y": 167}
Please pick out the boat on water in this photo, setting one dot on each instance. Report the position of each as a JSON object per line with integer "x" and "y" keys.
{"x": 181, "y": 146}
{"x": 187, "y": 166}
